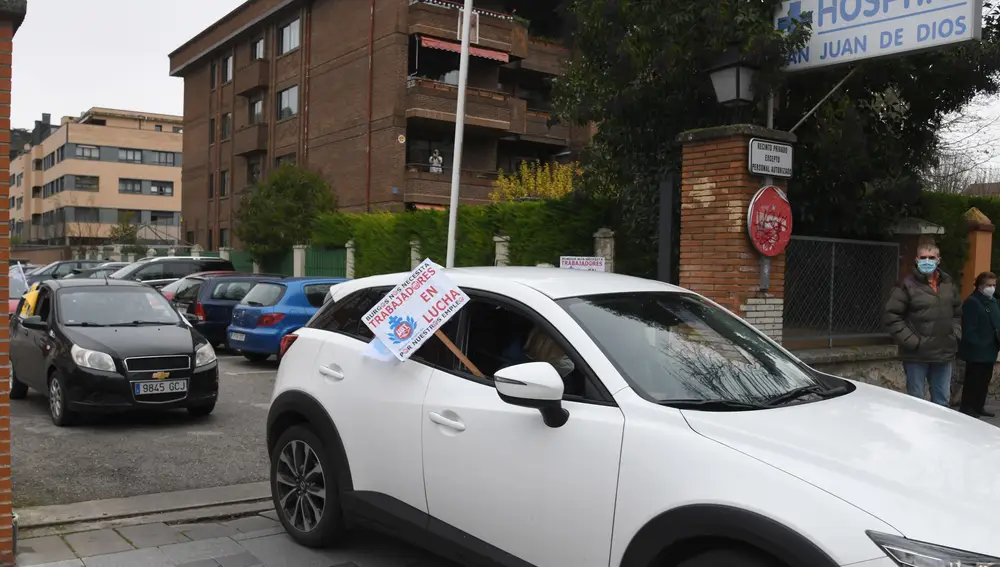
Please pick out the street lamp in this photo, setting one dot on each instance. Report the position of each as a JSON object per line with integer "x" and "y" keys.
{"x": 732, "y": 78}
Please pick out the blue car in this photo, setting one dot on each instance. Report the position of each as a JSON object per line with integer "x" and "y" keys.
{"x": 271, "y": 310}
{"x": 207, "y": 299}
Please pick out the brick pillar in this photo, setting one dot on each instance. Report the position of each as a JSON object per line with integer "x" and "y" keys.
{"x": 11, "y": 15}
{"x": 980, "y": 254}
{"x": 717, "y": 258}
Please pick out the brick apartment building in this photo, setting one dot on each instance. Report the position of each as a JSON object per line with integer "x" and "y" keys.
{"x": 74, "y": 181}
{"x": 364, "y": 91}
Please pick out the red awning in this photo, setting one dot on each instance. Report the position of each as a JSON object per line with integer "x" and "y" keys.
{"x": 421, "y": 207}
{"x": 434, "y": 43}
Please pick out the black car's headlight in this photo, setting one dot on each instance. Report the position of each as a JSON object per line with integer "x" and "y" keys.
{"x": 204, "y": 355}
{"x": 909, "y": 553}
{"x": 92, "y": 359}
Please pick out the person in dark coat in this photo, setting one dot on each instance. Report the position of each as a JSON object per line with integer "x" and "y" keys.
{"x": 924, "y": 317}
{"x": 980, "y": 344}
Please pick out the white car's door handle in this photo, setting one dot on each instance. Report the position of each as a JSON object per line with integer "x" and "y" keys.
{"x": 449, "y": 423}
{"x": 334, "y": 373}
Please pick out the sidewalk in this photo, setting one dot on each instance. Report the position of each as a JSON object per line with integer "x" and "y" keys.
{"x": 252, "y": 541}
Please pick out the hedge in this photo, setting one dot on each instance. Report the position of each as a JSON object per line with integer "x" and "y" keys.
{"x": 539, "y": 231}
{"x": 948, "y": 210}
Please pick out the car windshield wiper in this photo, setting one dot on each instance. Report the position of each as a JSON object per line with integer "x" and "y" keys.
{"x": 797, "y": 393}
{"x": 137, "y": 323}
{"x": 712, "y": 405}
{"x": 85, "y": 324}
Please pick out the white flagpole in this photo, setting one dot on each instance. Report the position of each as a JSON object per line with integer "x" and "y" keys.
{"x": 456, "y": 171}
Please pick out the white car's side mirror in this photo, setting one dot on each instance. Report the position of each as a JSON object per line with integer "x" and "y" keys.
{"x": 534, "y": 385}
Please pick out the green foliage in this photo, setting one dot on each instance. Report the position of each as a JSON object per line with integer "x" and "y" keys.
{"x": 126, "y": 234}
{"x": 539, "y": 231}
{"x": 281, "y": 211}
{"x": 642, "y": 75}
{"x": 948, "y": 210}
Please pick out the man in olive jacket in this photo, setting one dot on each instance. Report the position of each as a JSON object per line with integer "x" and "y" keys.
{"x": 924, "y": 317}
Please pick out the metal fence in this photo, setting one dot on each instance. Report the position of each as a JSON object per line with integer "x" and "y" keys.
{"x": 836, "y": 289}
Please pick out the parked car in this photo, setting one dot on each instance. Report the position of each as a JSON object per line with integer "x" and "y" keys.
{"x": 102, "y": 271}
{"x": 60, "y": 269}
{"x": 208, "y": 301}
{"x": 160, "y": 271}
{"x": 109, "y": 345}
{"x": 273, "y": 309}
{"x": 16, "y": 289}
{"x": 169, "y": 290}
{"x": 617, "y": 421}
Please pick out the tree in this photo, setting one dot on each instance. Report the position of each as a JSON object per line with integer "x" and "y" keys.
{"x": 281, "y": 211}
{"x": 126, "y": 235}
{"x": 535, "y": 180}
{"x": 641, "y": 75}
{"x": 84, "y": 231}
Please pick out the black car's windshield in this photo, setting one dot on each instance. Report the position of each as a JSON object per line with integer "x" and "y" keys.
{"x": 114, "y": 305}
{"x": 675, "y": 347}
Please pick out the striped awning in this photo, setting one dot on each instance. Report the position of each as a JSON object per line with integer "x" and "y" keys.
{"x": 435, "y": 43}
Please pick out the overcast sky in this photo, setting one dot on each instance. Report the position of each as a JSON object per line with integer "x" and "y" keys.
{"x": 71, "y": 55}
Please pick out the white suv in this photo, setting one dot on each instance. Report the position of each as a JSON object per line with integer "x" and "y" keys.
{"x": 622, "y": 422}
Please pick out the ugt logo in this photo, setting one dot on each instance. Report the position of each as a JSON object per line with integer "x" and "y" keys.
{"x": 401, "y": 330}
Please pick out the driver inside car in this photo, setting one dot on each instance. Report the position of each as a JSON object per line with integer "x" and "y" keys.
{"x": 539, "y": 347}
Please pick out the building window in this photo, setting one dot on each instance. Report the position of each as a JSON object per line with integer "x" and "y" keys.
{"x": 129, "y": 186}
{"x": 288, "y": 102}
{"x": 11, "y": 205}
{"x": 257, "y": 49}
{"x": 158, "y": 127}
{"x": 127, "y": 216}
{"x": 165, "y": 188}
{"x": 161, "y": 218}
{"x": 223, "y": 183}
{"x": 20, "y": 179}
{"x": 289, "y": 37}
{"x": 88, "y": 152}
{"x": 133, "y": 156}
{"x": 227, "y": 69}
{"x": 86, "y": 214}
{"x": 213, "y": 70}
{"x": 211, "y": 185}
{"x": 211, "y": 245}
{"x": 211, "y": 130}
{"x": 86, "y": 183}
{"x": 162, "y": 158}
{"x": 20, "y": 201}
{"x": 60, "y": 154}
{"x": 178, "y": 130}
{"x": 36, "y": 165}
{"x": 189, "y": 237}
{"x": 282, "y": 160}
{"x": 256, "y": 110}
{"x": 224, "y": 238}
{"x": 254, "y": 167}
{"x": 36, "y": 192}
{"x": 227, "y": 125}
{"x": 49, "y": 161}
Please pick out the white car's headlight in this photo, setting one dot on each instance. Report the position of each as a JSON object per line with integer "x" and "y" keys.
{"x": 909, "y": 553}
{"x": 92, "y": 359}
{"x": 204, "y": 356}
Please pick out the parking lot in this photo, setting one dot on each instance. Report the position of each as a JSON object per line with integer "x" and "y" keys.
{"x": 125, "y": 455}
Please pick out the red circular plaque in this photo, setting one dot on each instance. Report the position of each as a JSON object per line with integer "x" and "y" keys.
{"x": 769, "y": 221}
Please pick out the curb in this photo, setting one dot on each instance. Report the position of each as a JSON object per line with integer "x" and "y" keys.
{"x": 187, "y": 503}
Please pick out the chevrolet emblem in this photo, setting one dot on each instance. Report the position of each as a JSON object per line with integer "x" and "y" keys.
{"x": 160, "y": 375}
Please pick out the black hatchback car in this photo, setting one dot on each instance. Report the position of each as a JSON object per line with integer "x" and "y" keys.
{"x": 110, "y": 345}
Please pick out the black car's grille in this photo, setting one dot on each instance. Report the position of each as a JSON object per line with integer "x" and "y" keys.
{"x": 157, "y": 363}
{"x": 160, "y": 398}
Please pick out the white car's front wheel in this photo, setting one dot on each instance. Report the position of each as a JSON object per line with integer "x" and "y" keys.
{"x": 730, "y": 557}
{"x": 304, "y": 489}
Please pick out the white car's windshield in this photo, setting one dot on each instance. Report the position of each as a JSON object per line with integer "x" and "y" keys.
{"x": 114, "y": 306}
{"x": 674, "y": 347}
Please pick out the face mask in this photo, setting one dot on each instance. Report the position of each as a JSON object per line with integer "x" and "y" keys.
{"x": 926, "y": 267}
{"x": 989, "y": 291}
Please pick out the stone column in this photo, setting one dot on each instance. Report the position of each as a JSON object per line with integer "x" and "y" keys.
{"x": 171, "y": 252}
{"x": 116, "y": 254}
{"x": 502, "y": 246}
{"x": 196, "y": 251}
{"x": 299, "y": 260}
{"x": 11, "y": 15}
{"x": 977, "y": 260}
{"x": 415, "y": 257}
{"x": 349, "y": 261}
{"x": 256, "y": 268}
{"x": 604, "y": 246}
{"x": 224, "y": 252}
{"x": 151, "y": 252}
{"x": 131, "y": 257}
{"x": 717, "y": 257}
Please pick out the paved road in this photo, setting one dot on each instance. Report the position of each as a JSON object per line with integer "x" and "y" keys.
{"x": 126, "y": 455}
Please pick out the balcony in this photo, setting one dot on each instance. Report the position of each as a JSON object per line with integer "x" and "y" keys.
{"x": 538, "y": 130}
{"x": 428, "y": 188}
{"x": 545, "y": 57}
{"x": 250, "y": 140}
{"x": 431, "y": 100}
{"x": 252, "y": 78}
{"x": 440, "y": 18}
